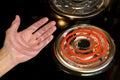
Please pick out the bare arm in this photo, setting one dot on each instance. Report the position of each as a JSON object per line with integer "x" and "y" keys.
{"x": 21, "y": 46}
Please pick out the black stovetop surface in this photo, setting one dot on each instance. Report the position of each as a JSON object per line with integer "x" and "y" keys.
{"x": 43, "y": 65}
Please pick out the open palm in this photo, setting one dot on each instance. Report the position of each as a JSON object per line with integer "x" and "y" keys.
{"x": 26, "y": 44}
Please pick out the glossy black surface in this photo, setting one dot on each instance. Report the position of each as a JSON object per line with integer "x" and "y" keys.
{"x": 43, "y": 65}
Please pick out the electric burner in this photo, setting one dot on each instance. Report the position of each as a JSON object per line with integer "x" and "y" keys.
{"x": 84, "y": 50}
{"x": 78, "y": 8}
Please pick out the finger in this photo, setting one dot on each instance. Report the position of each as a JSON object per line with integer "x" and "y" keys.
{"x": 47, "y": 33}
{"x": 15, "y": 24}
{"x": 44, "y": 29}
{"x": 37, "y": 24}
{"x": 44, "y": 43}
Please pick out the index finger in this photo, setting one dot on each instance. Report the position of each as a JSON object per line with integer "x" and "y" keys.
{"x": 37, "y": 24}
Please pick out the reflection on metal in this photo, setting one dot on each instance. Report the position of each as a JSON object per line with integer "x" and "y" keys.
{"x": 84, "y": 50}
{"x": 78, "y": 8}
{"x": 61, "y": 22}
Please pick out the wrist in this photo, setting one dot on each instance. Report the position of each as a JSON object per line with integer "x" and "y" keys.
{"x": 6, "y": 62}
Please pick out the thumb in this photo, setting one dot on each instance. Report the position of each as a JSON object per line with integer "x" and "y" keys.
{"x": 16, "y": 23}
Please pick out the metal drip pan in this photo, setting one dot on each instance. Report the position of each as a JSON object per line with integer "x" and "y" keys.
{"x": 79, "y": 9}
{"x": 84, "y": 50}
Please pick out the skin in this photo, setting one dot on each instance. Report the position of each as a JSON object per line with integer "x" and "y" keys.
{"x": 22, "y": 46}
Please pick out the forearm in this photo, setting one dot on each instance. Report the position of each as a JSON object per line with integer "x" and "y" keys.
{"x": 6, "y": 63}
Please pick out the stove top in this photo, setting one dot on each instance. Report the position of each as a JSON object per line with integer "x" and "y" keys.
{"x": 43, "y": 66}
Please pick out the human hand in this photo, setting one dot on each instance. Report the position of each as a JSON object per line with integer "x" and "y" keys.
{"x": 26, "y": 44}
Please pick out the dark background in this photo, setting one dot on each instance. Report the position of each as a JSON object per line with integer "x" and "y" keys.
{"x": 43, "y": 66}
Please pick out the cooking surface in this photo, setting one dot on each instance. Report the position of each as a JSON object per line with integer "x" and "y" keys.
{"x": 43, "y": 65}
